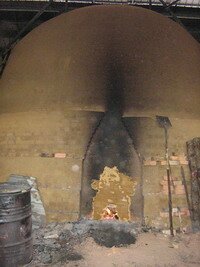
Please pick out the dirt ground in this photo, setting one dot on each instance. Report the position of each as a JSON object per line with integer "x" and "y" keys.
{"x": 150, "y": 249}
{"x": 109, "y": 243}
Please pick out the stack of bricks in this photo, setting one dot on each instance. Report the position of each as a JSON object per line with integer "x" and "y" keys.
{"x": 177, "y": 186}
{"x": 164, "y": 184}
{"x": 176, "y": 212}
{"x": 173, "y": 160}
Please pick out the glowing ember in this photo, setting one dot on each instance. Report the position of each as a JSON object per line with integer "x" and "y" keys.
{"x": 110, "y": 213}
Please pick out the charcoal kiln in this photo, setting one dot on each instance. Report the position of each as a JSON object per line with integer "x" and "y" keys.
{"x": 81, "y": 93}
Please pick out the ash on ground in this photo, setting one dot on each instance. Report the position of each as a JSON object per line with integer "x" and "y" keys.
{"x": 55, "y": 243}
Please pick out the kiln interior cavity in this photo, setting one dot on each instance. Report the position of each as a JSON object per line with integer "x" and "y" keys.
{"x": 111, "y": 170}
{"x": 113, "y": 197}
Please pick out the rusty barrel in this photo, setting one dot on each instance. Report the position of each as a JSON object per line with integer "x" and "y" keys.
{"x": 15, "y": 225}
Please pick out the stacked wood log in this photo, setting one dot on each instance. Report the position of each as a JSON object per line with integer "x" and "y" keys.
{"x": 193, "y": 149}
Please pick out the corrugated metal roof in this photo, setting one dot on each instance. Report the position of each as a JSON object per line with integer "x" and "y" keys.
{"x": 180, "y": 3}
{"x": 183, "y": 3}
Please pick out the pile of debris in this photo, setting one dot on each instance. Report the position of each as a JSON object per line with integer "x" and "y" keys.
{"x": 55, "y": 243}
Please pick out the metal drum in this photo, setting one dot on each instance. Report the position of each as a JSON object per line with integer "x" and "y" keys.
{"x": 15, "y": 225}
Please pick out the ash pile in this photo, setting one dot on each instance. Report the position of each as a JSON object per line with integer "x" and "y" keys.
{"x": 55, "y": 243}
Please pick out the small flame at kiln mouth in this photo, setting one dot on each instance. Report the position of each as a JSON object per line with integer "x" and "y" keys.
{"x": 110, "y": 213}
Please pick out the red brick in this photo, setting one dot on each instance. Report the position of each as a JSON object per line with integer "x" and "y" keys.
{"x": 150, "y": 162}
{"x": 182, "y": 157}
{"x": 174, "y": 162}
{"x": 60, "y": 155}
{"x": 165, "y": 189}
{"x": 183, "y": 162}
{"x": 185, "y": 211}
{"x": 174, "y": 157}
{"x": 179, "y": 190}
{"x": 178, "y": 182}
{"x": 164, "y": 214}
{"x": 164, "y": 182}
{"x": 172, "y": 178}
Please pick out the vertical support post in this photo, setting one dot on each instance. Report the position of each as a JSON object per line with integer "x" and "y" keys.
{"x": 81, "y": 189}
{"x": 169, "y": 184}
{"x": 170, "y": 203}
{"x": 165, "y": 123}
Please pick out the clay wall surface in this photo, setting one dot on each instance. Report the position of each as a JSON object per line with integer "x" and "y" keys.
{"x": 25, "y": 136}
{"x": 149, "y": 140}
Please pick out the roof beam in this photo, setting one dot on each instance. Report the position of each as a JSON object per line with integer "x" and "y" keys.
{"x": 34, "y": 6}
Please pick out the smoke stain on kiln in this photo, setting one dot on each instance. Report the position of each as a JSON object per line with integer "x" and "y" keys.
{"x": 113, "y": 188}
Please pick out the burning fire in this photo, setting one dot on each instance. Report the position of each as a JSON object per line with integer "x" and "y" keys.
{"x": 110, "y": 213}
